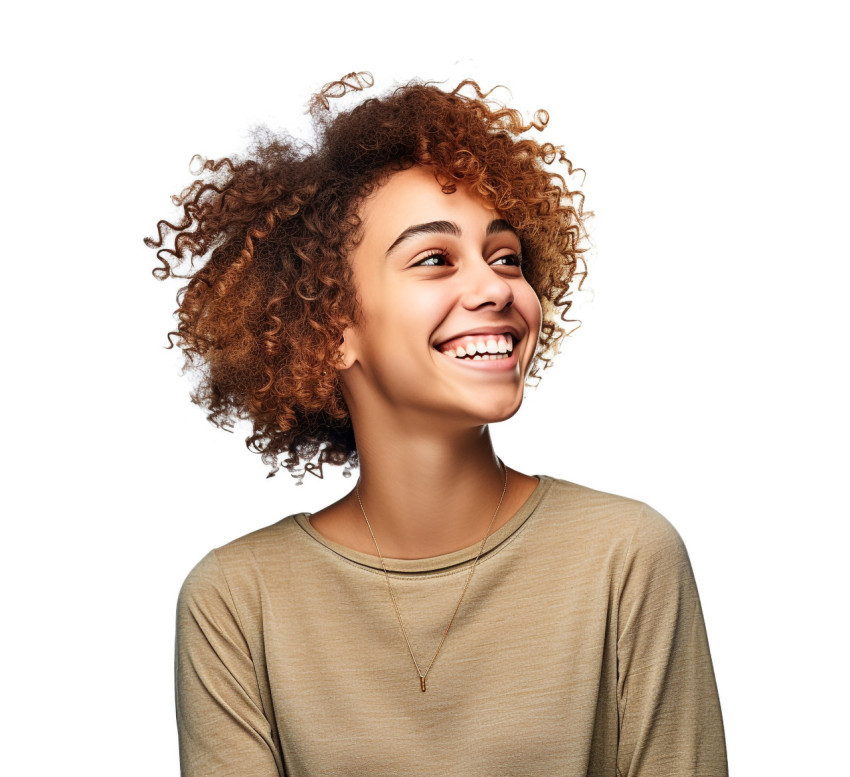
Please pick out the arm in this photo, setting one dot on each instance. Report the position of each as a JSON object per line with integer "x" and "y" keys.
{"x": 222, "y": 728}
{"x": 670, "y": 721}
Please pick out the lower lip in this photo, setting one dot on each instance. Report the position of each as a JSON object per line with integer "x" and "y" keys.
{"x": 486, "y": 365}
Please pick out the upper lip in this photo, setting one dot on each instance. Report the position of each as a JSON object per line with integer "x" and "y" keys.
{"x": 496, "y": 329}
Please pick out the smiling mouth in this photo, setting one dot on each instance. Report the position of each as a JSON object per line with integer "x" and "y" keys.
{"x": 479, "y": 347}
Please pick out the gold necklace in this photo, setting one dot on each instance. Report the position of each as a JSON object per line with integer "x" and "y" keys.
{"x": 423, "y": 675}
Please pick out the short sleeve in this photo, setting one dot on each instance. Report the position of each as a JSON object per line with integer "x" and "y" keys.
{"x": 670, "y": 719}
{"x": 222, "y": 728}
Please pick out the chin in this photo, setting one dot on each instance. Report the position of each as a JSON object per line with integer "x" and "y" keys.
{"x": 499, "y": 412}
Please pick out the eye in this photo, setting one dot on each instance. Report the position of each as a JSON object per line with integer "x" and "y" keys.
{"x": 434, "y": 259}
{"x": 513, "y": 260}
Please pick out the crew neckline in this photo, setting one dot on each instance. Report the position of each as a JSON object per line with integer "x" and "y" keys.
{"x": 446, "y": 561}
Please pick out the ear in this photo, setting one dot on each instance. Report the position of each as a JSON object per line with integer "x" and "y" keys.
{"x": 347, "y": 353}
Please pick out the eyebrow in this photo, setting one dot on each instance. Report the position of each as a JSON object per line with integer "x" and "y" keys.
{"x": 445, "y": 228}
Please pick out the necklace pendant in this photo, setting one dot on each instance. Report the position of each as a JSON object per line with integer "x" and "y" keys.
{"x": 422, "y": 684}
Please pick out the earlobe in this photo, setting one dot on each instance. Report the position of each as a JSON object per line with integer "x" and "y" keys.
{"x": 346, "y": 353}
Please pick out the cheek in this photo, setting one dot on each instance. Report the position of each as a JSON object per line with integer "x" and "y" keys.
{"x": 418, "y": 305}
{"x": 528, "y": 305}
{"x": 397, "y": 319}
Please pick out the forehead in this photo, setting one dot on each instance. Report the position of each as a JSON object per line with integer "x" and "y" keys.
{"x": 414, "y": 196}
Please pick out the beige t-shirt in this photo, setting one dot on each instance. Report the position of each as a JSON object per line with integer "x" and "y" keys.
{"x": 579, "y": 649}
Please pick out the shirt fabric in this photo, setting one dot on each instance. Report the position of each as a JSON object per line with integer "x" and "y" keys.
{"x": 579, "y": 649}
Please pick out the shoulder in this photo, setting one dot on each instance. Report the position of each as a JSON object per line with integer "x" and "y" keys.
{"x": 247, "y": 558}
{"x": 281, "y": 537}
{"x": 610, "y": 516}
{"x": 605, "y": 530}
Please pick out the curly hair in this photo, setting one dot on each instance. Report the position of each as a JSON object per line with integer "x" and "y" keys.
{"x": 265, "y": 237}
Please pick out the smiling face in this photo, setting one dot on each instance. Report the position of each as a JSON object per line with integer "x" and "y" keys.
{"x": 448, "y": 325}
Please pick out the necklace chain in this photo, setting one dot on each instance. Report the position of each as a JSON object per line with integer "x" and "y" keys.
{"x": 423, "y": 675}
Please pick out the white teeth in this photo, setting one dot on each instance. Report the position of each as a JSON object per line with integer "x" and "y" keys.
{"x": 497, "y": 347}
{"x": 488, "y": 356}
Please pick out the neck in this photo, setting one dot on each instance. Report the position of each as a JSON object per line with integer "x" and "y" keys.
{"x": 429, "y": 486}
{"x": 428, "y": 496}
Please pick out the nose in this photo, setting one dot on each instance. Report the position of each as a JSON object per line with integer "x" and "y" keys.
{"x": 483, "y": 286}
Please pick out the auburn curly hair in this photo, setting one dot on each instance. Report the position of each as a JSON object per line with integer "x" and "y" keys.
{"x": 266, "y": 237}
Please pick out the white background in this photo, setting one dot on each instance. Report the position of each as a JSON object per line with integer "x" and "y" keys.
{"x": 709, "y": 377}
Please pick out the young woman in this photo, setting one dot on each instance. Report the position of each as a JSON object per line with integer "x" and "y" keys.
{"x": 376, "y": 301}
